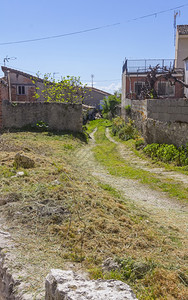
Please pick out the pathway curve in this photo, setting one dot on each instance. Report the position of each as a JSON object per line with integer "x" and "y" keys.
{"x": 165, "y": 210}
{"x": 137, "y": 162}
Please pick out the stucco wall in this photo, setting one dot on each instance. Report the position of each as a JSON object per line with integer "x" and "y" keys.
{"x": 58, "y": 116}
{"x": 162, "y": 120}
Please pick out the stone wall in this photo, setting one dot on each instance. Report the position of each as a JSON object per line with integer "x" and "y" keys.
{"x": 162, "y": 120}
{"x": 58, "y": 116}
{"x": 61, "y": 285}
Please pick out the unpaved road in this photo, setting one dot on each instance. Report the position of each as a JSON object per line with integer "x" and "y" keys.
{"x": 165, "y": 210}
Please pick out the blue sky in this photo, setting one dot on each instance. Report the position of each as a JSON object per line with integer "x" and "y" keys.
{"x": 99, "y": 52}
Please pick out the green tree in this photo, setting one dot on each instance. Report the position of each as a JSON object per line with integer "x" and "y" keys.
{"x": 69, "y": 89}
{"x": 110, "y": 106}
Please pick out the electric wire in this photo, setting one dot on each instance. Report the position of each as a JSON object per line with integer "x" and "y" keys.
{"x": 92, "y": 29}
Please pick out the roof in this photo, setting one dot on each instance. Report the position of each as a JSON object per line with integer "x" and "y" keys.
{"x": 182, "y": 29}
{"x": 97, "y": 90}
{"x": 5, "y": 69}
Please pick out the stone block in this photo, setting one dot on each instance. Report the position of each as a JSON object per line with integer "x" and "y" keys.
{"x": 61, "y": 285}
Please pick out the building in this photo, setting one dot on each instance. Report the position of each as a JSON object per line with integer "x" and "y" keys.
{"x": 134, "y": 76}
{"x": 181, "y": 51}
{"x": 186, "y": 75}
{"x": 94, "y": 97}
{"x": 21, "y": 87}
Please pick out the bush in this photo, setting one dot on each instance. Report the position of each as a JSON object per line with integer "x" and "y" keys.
{"x": 168, "y": 153}
{"x": 140, "y": 143}
{"x": 125, "y": 131}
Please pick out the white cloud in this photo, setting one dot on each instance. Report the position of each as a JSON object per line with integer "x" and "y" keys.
{"x": 110, "y": 88}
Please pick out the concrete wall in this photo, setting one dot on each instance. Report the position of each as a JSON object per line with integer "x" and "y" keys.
{"x": 58, "y": 116}
{"x": 162, "y": 120}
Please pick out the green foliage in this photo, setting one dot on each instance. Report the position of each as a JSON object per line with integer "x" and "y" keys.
{"x": 125, "y": 131}
{"x": 168, "y": 153}
{"x": 69, "y": 89}
{"x": 110, "y": 106}
{"x": 132, "y": 270}
{"x": 139, "y": 143}
{"x": 41, "y": 126}
{"x": 128, "y": 109}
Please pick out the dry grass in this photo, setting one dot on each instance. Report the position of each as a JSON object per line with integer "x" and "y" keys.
{"x": 57, "y": 213}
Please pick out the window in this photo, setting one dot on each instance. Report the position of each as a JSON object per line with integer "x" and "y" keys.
{"x": 21, "y": 90}
{"x": 165, "y": 89}
{"x": 138, "y": 87}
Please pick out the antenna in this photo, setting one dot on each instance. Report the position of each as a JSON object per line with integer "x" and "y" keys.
{"x": 6, "y": 59}
{"x": 176, "y": 13}
{"x": 92, "y": 76}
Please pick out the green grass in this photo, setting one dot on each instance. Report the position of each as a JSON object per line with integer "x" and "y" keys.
{"x": 58, "y": 213}
{"x": 106, "y": 152}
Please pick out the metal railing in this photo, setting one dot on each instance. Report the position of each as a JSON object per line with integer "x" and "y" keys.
{"x": 143, "y": 65}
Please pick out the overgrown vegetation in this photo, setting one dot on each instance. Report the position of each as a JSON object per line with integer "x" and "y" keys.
{"x": 124, "y": 130}
{"x": 168, "y": 153}
{"x": 110, "y": 106}
{"x": 106, "y": 153}
{"x": 56, "y": 212}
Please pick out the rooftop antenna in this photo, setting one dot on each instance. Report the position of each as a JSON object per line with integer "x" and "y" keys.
{"x": 92, "y": 76}
{"x": 176, "y": 13}
{"x": 6, "y": 59}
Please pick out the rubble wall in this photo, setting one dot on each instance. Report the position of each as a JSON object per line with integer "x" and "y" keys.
{"x": 58, "y": 116}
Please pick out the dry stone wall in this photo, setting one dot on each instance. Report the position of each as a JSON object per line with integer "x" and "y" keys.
{"x": 58, "y": 116}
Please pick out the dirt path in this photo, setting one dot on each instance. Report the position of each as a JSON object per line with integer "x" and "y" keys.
{"x": 137, "y": 162}
{"x": 168, "y": 212}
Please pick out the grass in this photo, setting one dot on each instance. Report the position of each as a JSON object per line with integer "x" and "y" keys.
{"x": 57, "y": 213}
{"x": 106, "y": 153}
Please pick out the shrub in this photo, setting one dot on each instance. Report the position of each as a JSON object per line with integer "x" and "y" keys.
{"x": 125, "y": 131}
{"x": 140, "y": 143}
{"x": 168, "y": 153}
{"x": 128, "y": 110}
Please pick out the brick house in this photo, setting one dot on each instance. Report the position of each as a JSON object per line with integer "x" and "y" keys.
{"x": 134, "y": 76}
{"x": 135, "y": 71}
{"x": 20, "y": 86}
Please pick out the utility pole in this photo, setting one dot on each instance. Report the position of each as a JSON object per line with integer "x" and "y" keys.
{"x": 92, "y": 76}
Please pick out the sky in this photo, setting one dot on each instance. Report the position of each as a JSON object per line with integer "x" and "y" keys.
{"x": 101, "y": 52}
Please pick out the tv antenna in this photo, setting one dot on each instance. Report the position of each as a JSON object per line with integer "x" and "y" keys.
{"x": 176, "y": 13}
{"x": 6, "y": 59}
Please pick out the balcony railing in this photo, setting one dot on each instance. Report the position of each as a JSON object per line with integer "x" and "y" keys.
{"x": 143, "y": 65}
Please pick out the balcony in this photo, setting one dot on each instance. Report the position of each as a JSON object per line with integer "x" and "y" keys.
{"x": 143, "y": 65}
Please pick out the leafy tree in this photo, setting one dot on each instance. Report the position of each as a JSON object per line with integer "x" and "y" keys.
{"x": 110, "y": 105}
{"x": 69, "y": 89}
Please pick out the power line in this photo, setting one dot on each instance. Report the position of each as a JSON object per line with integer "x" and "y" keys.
{"x": 93, "y": 29}
{"x": 60, "y": 35}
